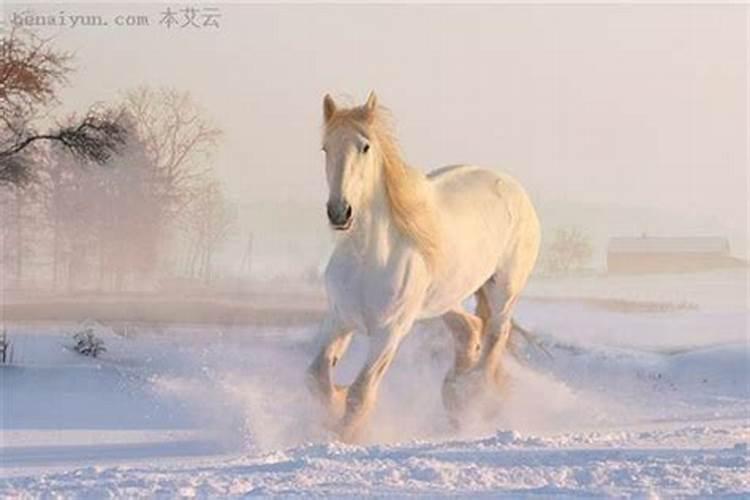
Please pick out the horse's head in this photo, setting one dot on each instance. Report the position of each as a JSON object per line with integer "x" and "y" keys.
{"x": 351, "y": 159}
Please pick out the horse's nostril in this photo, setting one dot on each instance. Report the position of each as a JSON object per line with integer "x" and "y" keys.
{"x": 339, "y": 212}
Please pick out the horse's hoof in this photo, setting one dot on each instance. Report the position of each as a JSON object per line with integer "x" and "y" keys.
{"x": 337, "y": 402}
{"x": 333, "y": 403}
{"x": 347, "y": 436}
{"x": 454, "y": 423}
{"x": 471, "y": 393}
{"x": 351, "y": 434}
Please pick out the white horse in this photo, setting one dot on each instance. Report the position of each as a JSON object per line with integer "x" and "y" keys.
{"x": 412, "y": 247}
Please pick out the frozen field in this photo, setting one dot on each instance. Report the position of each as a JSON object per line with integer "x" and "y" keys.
{"x": 646, "y": 393}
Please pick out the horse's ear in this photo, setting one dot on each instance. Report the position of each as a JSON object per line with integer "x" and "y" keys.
{"x": 329, "y": 107}
{"x": 372, "y": 101}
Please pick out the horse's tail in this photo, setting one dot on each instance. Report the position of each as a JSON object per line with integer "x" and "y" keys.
{"x": 529, "y": 337}
{"x": 483, "y": 311}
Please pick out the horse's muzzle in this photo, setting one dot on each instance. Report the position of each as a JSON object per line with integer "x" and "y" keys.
{"x": 339, "y": 214}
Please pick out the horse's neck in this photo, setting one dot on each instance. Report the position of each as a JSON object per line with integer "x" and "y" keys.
{"x": 374, "y": 235}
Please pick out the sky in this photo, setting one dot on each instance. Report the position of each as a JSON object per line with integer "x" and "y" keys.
{"x": 608, "y": 106}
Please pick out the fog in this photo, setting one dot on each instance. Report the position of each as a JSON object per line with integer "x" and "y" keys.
{"x": 619, "y": 120}
{"x": 162, "y": 246}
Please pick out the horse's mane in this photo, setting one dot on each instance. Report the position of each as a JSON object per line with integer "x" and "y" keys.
{"x": 407, "y": 189}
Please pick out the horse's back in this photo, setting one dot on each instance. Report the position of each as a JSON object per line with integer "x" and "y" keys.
{"x": 491, "y": 224}
{"x": 497, "y": 201}
{"x": 464, "y": 183}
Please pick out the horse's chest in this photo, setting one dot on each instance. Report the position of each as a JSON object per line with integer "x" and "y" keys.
{"x": 366, "y": 293}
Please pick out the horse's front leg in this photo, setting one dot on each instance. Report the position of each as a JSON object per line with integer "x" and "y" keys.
{"x": 362, "y": 393}
{"x": 335, "y": 340}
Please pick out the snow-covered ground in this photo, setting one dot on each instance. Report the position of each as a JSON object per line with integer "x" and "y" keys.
{"x": 649, "y": 397}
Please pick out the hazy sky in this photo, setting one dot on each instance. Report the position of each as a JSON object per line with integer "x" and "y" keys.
{"x": 627, "y": 105}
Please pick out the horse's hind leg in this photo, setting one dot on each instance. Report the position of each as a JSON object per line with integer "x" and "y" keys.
{"x": 500, "y": 299}
{"x": 484, "y": 375}
{"x": 320, "y": 373}
{"x": 467, "y": 335}
{"x": 501, "y": 293}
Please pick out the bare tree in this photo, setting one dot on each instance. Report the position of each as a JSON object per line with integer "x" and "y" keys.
{"x": 109, "y": 221}
{"x": 208, "y": 222}
{"x": 96, "y": 137}
{"x": 570, "y": 249}
{"x": 104, "y": 222}
{"x": 21, "y": 227}
{"x": 31, "y": 71}
{"x": 178, "y": 140}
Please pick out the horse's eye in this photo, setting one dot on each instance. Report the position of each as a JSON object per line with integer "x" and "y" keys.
{"x": 365, "y": 148}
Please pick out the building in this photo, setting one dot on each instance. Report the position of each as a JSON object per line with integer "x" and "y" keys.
{"x": 669, "y": 255}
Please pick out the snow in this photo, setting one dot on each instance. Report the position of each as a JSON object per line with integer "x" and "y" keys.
{"x": 646, "y": 403}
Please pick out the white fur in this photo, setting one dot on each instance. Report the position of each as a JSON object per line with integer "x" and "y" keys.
{"x": 379, "y": 282}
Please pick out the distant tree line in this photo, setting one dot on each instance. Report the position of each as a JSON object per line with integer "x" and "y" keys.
{"x": 115, "y": 197}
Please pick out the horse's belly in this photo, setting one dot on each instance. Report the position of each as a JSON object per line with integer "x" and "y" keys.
{"x": 467, "y": 265}
{"x": 451, "y": 289}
